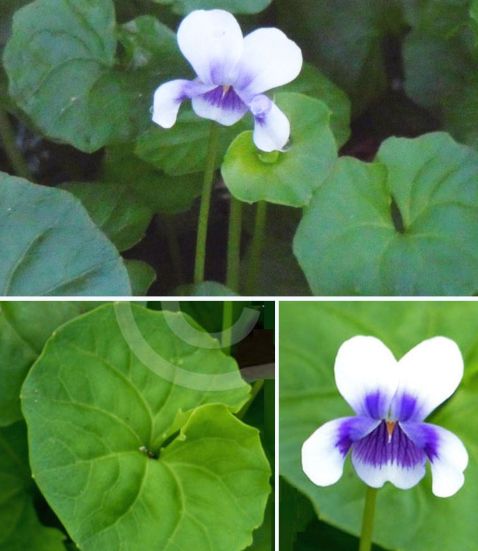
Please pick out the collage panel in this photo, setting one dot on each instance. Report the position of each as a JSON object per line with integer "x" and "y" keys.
{"x": 378, "y": 416}
{"x": 130, "y": 425}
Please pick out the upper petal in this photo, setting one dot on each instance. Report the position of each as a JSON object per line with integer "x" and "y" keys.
{"x": 428, "y": 375}
{"x": 272, "y": 127}
{"x": 212, "y": 42}
{"x": 366, "y": 375}
{"x": 324, "y": 452}
{"x": 269, "y": 60}
{"x": 446, "y": 452}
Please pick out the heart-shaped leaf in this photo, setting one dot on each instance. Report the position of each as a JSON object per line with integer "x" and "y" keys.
{"x": 63, "y": 72}
{"x": 311, "y": 334}
{"x": 115, "y": 209}
{"x": 405, "y": 225}
{"x": 235, "y": 6}
{"x": 288, "y": 177}
{"x": 102, "y": 405}
{"x": 183, "y": 148}
{"x": 20, "y": 528}
{"x": 50, "y": 246}
{"x": 24, "y": 328}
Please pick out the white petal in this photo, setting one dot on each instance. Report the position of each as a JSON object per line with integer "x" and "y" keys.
{"x": 223, "y": 107}
{"x": 324, "y": 452}
{"x": 448, "y": 466}
{"x": 167, "y": 101}
{"x": 429, "y": 373}
{"x": 269, "y": 60}
{"x": 272, "y": 127}
{"x": 401, "y": 477}
{"x": 212, "y": 42}
{"x": 366, "y": 375}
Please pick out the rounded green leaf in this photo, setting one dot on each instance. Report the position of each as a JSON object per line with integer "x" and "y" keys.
{"x": 309, "y": 398}
{"x": 162, "y": 193}
{"x": 24, "y": 328}
{"x": 312, "y": 82}
{"x": 288, "y": 177}
{"x": 51, "y": 246}
{"x": 115, "y": 209}
{"x": 183, "y": 148}
{"x": 20, "y": 528}
{"x": 63, "y": 72}
{"x": 405, "y": 225}
{"x": 183, "y": 7}
{"x": 103, "y": 406}
{"x": 141, "y": 276}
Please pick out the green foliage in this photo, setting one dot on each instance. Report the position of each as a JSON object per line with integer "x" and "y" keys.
{"x": 63, "y": 71}
{"x": 288, "y": 177}
{"x": 20, "y": 527}
{"x": 235, "y": 6}
{"x": 104, "y": 443}
{"x": 404, "y": 225}
{"x": 311, "y": 334}
{"x": 56, "y": 250}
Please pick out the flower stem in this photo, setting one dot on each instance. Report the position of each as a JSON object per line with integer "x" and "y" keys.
{"x": 209, "y": 169}
{"x": 367, "y": 519}
{"x": 7, "y": 136}
{"x": 256, "y": 247}
{"x": 234, "y": 245}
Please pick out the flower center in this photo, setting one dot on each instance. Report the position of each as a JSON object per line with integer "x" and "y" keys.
{"x": 390, "y": 428}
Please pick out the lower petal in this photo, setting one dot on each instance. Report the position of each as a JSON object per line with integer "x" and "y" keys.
{"x": 169, "y": 96}
{"x": 221, "y": 104}
{"x": 324, "y": 452}
{"x": 388, "y": 455}
{"x": 272, "y": 127}
{"x": 447, "y": 454}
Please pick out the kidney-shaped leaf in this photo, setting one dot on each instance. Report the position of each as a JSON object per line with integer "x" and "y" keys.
{"x": 50, "y": 246}
{"x": 311, "y": 334}
{"x": 24, "y": 328}
{"x": 63, "y": 72}
{"x": 103, "y": 405}
{"x": 406, "y": 225}
{"x": 288, "y": 177}
{"x": 20, "y": 528}
{"x": 235, "y": 6}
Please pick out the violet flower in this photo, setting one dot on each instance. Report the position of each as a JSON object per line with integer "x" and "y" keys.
{"x": 233, "y": 72}
{"x": 388, "y": 438}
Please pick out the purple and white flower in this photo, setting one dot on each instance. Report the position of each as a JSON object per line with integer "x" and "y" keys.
{"x": 233, "y": 72}
{"x": 388, "y": 438}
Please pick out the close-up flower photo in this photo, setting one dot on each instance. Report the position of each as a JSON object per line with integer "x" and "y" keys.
{"x": 378, "y": 422}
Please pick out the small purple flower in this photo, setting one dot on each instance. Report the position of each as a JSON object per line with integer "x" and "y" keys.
{"x": 233, "y": 72}
{"x": 387, "y": 438}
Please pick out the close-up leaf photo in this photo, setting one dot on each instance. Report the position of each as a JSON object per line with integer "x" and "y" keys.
{"x": 126, "y": 426}
{"x": 239, "y": 147}
{"x": 378, "y": 424}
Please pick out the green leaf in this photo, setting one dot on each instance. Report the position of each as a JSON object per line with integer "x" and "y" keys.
{"x": 289, "y": 177}
{"x": 182, "y": 149}
{"x": 63, "y": 72}
{"x": 311, "y": 82}
{"x": 405, "y": 225}
{"x": 183, "y": 7}
{"x": 20, "y": 528}
{"x": 344, "y": 39}
{"x": 51, "y": 246}
{"x": 205, "y": 289}
{"x": 114, "y": 209}
{"x": 102, "y": 405}
{"x": 162, "y": 193}
{"x": 309, "y": 398}
{"x": 141, "y": 275}
{"x": 24, "y": 328}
